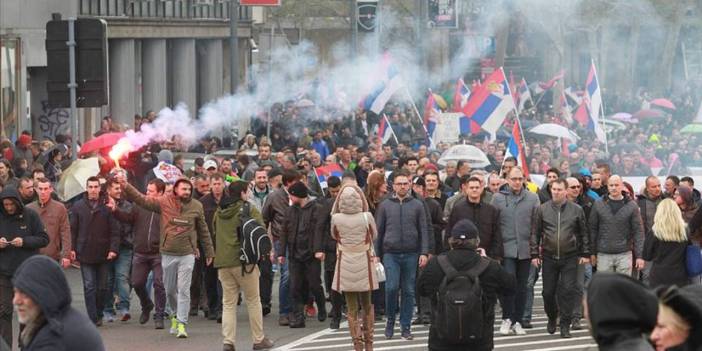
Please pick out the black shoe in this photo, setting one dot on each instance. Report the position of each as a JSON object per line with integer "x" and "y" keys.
{"x": 297, "y": 324}
{"x": 158, "y": 323}
{"x": 145, "y": 314}
{"x": 266, "y": 310}
{"x": 575, "y": 325}
{"x": 193, "y": 311}
{"x": 527, "y": 325}
{"x": 211, "y": 316}
{"x": 334, "y": 325}
{"x": 565, "y": 332}
{"x": 551, "y": 327}
{"x": 322, "y": 314}
{"x": 418, "y": 321}
{"x": 378, "y": 316}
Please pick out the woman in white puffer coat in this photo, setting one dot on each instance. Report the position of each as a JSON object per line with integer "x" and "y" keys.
{"x": 353, "y": 227}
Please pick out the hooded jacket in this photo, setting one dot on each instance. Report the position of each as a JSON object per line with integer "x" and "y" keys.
{"x": 182, "y": 223}
{"x": 94, "y": 231}
{"x": 516, "y": 213}
{"x": 226, "y": 222}
{"x": 24, "y": 223}
{"x": 621, "y": 312}
{"x": 65, "y": 329}
{"x": 402, "y": 226}
{"x": 353, "y": 227}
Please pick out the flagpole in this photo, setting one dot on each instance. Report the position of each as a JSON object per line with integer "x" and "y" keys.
{"x": 604, "y": 129}
{"x": 409, "y": 96}
{"x": 387, "y": 122}
{"x": 516, "y": 114}
{"x": 316, "y": 176}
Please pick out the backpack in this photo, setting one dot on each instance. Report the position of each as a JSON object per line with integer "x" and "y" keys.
{"x": 254, "y": 239}
{"x": 458, "y": 316}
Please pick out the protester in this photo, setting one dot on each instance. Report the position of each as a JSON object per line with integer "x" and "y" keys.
{"x": 55, "y": 217}
{"x": 22, "y": 234}
{"x": 182, "y": 228}
{"x": 516, "y": 206}
{"x": 463, "y": 242}
{"x": 42, "y": 299}
{"x": 403, "y": 243}
{"x": 560, "y": 242}
{"x": 328, "y": 245}
{"x": 667, "y": 247}
{"x": 96, "y": 240}
{"x": 376, "y": 190}
{"x": 353, "y": 228}
{"x": 7, "y": 175}
{"x": 575, "y": 194}
{"x": 120, "y": 269}
{"x": 147, "y": 259}
{"x": 616, "y": 228}
{"x": 210, "y": 203}
{"x": 679, "y": 316}
{"x": 621, "y": 312}
{"x": 234, "y": 276}
{"x": 299, "y": 245}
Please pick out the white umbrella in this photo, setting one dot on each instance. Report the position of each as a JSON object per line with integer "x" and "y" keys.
{"x": 72, "y": 181}
{"x": 475, "y": 157}
{"x": 554, "y": 130}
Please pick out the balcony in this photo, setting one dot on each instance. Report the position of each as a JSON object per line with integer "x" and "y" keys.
{"x": 162, "y": 9}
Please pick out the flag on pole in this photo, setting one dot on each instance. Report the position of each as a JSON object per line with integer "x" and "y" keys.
{"x": 385, "y": 131}
{"x": 515, "y": 148}
{"x": 565, "y": 109}
{"x": 324, "y": 172}
{"x": 594, "y": 97}
{"x": 489, "y": 105}
{"x": 390, "y": 83}
{"x": 460, "y": 97}
{"x": 576, "y": 96}
{"x": 582, "y": 114}
{"x": 431, "y": 111}
{"x": 522, "y": 95}
{"x": 553, "y": 81}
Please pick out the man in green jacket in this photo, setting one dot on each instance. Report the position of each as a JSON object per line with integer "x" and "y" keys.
{"x": 182, "y": 226}
{"x": 233, "y": 276}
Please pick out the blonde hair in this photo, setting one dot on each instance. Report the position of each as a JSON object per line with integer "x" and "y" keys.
{"x": 668, "y": 223}
{"x": 671, "y": 319}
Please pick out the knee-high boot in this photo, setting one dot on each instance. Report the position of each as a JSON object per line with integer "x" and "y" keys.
{"x": 355, "y": 330}
{"x": 368, "y": 327}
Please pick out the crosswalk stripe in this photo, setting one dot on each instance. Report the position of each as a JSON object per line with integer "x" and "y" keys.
{"x": 377, "y": 336}
{"x": 550, "y": 341}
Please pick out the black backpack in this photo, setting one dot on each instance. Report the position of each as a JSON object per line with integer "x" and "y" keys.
{"x": 458, "y": 316}
{"x": 254, "y": 239}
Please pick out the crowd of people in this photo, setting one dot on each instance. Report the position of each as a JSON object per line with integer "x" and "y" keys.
{"x": 390, "y": 234}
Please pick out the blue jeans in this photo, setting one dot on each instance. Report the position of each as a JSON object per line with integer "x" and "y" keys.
{"x": 513, "y": 305}
{"x": 400, "y": 273}
{"x": 118, "y": 282}
{"x": 284, "y": 287}
{"x": 94, "y": 288}
{"x": 529, "y": 305}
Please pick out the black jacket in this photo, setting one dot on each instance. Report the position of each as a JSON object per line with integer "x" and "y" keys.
{"x": 436, "y": 217}
{"x": 65, "y": 329}
{"x": 667, "y": 262}
{"x": 147, "y": 228}
{"x": 621, "y": 311}
{"x": 494, "y": 281}
{"x": 559, "y": 231}
{"x": 210, "y": 205}
{"x": 328, "y": 243}
{"x": 487, "y": 218}
{"x": 25, "y": 224}
{"x": 299, "y": 237}
{"x": 94, "y": 231}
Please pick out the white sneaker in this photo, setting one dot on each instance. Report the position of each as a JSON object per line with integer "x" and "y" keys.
{"x": 505, "y": 327}
{"x": 518, "y": 329}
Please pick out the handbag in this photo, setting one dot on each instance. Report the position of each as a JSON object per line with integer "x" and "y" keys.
{"x": 379, "y": 268}
{"x": 693, "y": 260}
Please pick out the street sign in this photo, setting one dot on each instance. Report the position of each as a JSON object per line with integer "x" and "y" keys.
{"x": 259, "y": 2}
{"x": 367, "y": 15}
{"x": 91, "y": 71}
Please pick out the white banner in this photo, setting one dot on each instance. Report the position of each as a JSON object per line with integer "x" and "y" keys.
{"x": 448, "y": 127}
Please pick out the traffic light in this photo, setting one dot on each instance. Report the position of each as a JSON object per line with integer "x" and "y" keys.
{"x": 91, "y": 62}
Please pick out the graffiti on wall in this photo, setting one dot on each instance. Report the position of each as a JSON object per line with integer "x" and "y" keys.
{"x": 53, "y": 121}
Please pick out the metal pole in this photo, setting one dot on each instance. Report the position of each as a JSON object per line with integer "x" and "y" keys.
{"x": 270, "y": 80}
{"x": 71, "y": 43}
{"x": 233, "y": 45}
{"x": 353, "y": 18}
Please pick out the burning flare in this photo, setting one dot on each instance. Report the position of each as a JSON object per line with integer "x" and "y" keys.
{"x": 119, "y": 150}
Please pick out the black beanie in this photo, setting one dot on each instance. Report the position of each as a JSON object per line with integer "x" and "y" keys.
{"x": 298, "y": 189}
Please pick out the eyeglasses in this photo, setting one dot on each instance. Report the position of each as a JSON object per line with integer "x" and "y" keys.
{"x": 516, "y": 179}
{"x": 575, "y": 187}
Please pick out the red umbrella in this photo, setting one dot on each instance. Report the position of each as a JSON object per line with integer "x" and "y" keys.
{"x": 106, "y": 140}
{"x": 663, "y": 103}
{"x": 648, "y": 114}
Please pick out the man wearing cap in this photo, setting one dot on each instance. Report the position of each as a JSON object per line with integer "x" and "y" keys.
{"x": 210, "y": 167}
{"x": 560, "y": 242}
{"x": 463, "y": 255}
{"x": 182, "y": 228}
{"x": 299, "y": 243}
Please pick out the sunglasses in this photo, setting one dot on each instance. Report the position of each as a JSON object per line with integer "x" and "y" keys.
{"x": 575, "y": 187}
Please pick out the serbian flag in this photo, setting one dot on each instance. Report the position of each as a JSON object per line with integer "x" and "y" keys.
{"x": 326, "y": 171}
{"x": 390, "y": 83}
{"x": 582, "y": 114}
{"x": 553, "y": 81}
{"x": 385, "y": 131}
{"x": 565, "y": 109}
{"x": 431, "y": 111}
{"x": 460, "y": 96}
{"x": 489, "y": 105}
{"x": 523, "y": 94}
{"x": 515, "y": 148}
{"x": 594, "y": 96}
